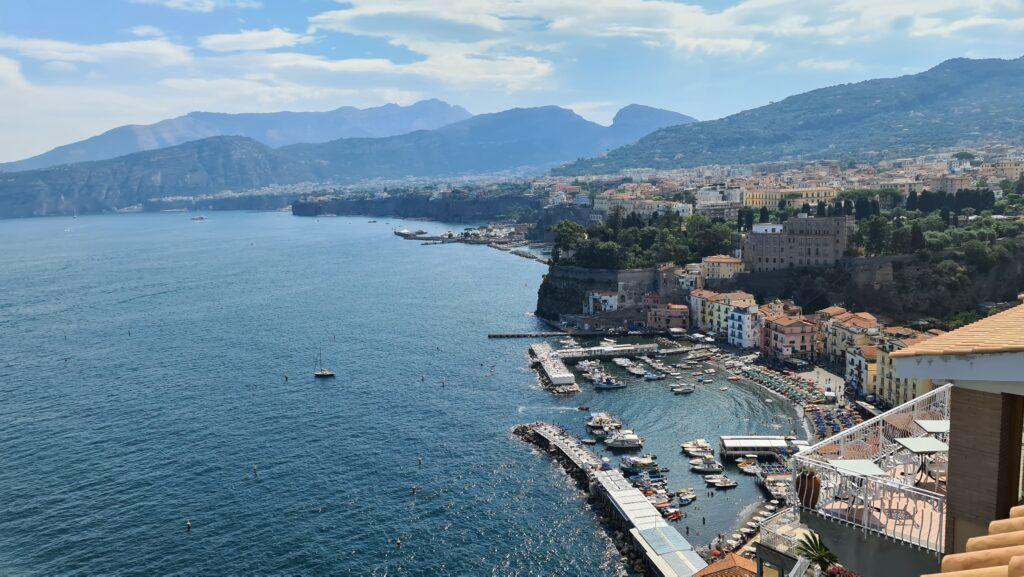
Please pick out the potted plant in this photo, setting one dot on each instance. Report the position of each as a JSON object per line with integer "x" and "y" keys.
{"x": 808, "y": 487}
{"x": 811, "y": 548}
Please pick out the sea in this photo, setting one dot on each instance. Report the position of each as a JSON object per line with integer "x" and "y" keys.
{"x": 157, "y": 371}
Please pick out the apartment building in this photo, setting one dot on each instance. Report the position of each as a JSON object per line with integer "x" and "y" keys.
{"x": 721, "y": 266}
{"x": 861, "y": 369}
{"x": 743, "y": 327}
{"x": 669, "y": 316}
{"x": 789, "y": 337}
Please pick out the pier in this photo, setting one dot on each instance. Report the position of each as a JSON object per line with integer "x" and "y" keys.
{"x": 551, "y": 366}
{"x": 656, "y": 547}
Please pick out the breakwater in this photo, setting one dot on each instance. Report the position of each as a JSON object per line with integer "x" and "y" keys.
{"x": 654, "y": 547}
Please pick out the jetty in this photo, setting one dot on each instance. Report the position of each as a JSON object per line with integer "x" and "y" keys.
{"x": 654, "y": 546}
{"x": 552, "y": 369}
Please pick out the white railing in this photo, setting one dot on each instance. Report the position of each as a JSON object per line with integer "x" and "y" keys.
{"x": 891, "y": 505}
{"x": 772, "y": 533}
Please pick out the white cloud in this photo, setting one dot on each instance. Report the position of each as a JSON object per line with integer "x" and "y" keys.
{"x": 201, "y": 5}
{"x": 154, "y": 51}
{"x": 828, "y": 65}
{"x": 10, "y": 73}
{"x": 253, "y": 40}
{"x": 146, "y": 31}
{"x": 60, "y": 66}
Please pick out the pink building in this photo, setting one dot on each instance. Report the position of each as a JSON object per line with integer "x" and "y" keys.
{"x": 670, "y": 316}
{"x": 789, "y": 336}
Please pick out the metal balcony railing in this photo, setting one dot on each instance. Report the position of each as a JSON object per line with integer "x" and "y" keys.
{"x": 892, "y": 504}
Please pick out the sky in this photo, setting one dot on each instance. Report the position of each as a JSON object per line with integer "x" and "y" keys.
{"x": 70, "y": 69}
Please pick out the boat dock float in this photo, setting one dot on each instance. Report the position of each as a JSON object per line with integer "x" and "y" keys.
{"x": 656, "y": 548}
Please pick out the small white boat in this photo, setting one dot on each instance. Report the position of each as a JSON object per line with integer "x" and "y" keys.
{"x": 624, "y": 439}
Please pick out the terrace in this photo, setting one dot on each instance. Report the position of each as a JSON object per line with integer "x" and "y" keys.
{"x": 886, "y": 475}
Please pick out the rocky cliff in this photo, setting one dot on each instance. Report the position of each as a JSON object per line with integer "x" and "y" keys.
{"x": 564, "y": 289}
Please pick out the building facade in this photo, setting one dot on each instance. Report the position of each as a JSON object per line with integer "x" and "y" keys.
{"x": 801, "y": 242}
{"x": 789, "y": 337}
{"x": 721, "y": 266}
{"x": 668, "y": 317}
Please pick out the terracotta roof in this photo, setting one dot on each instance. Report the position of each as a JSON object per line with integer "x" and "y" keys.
{"x": 833, "y": 310}
{"x": 899, "y": 331}
{"x": 703, "y": 293}
{"x": 858, "y": 320}
{"x": 732, "y": 565}
{"x": 869, "y": 351}
{"x": 786, "y": 320}
{"x": 675, "y": 307}
{"x": 722, "y": 258}
{"x": 999, "y": 333}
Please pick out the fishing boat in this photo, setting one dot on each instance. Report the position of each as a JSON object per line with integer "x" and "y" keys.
{"x": 671, "y": 514}
{"x": 322, "y": 372}
{"x": 734, "y": 378}
{"x": 624, "y": 439}
{"x": 683, "y": 389}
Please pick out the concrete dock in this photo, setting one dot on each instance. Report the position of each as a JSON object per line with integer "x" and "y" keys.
{"x": 551, "y": 365}
{"x": 657, "y": 548}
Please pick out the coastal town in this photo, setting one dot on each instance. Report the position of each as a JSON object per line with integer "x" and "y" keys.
{"x": 849, "y": 372}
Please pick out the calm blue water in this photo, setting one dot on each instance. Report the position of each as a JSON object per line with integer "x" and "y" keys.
{"x": 142, "y": 375}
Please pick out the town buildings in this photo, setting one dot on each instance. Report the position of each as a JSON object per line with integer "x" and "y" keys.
{"x": 743, "y": 327}
{"x": 892, "y": 388}
{"x": 845, "y": 330}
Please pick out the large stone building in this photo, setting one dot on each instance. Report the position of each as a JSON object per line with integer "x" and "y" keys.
{"x": 721, "y": 266}
{"x": 801, "y": 242}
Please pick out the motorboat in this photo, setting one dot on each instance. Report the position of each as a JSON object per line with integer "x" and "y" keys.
{"x": 631, "y": 464}
{"x": 712, "y": 479}
{"x": 636, "y": 371}
{"x": 608, "y": 383}
{"x": 734, "y": 378}
{"x": 683, "y": 389}
{"x": 696, "y": 447}
{"x": 725, "y": 483}
{"x": 652, "y": 376}
{"x": 624, "y": 439}
{"x": 686, "y": 496}
{"x": 706, "y": 465}
{"x": 602, "y": 420}
{"x": 723, "y": 388}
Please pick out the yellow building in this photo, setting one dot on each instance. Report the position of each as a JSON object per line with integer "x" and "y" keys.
{"x": 770, "y": 197}
{"x": 721, "y": 266}
{"x": 890, "y": 386}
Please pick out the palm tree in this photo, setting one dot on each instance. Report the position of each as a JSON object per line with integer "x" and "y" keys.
{"x": 811, "y": 548}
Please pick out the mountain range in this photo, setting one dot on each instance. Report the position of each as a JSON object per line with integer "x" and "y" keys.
{"x": 273, "y": 129}
{"x": 958, "y": 102}
{"x": 521, "y": 137}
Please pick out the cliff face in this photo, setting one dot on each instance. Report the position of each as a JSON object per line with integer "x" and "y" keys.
{"x": 446, "y": 209}
{"x": 564, "y": 289}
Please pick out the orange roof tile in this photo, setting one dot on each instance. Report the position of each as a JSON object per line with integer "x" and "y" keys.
{"x": 722, "y": 258}
{"x": 833, "y": 310}
{"x": 732, "y": 565}
{"x": 999, "y": 333}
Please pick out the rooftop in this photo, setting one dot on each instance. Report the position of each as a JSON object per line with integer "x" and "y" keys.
{"x": 722, "y": 258}
{"x": 833, "y": 310}
{"x": 1000, "y": 333}
{"x": 732, "y": 565}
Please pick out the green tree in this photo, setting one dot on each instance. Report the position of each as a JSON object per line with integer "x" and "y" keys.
{"x": 916, "y": 237}
{"x": 569, "y": 236}
{"x": 877, "y": 235}
{"x": 821, "y": 210}
{"x": 748, "y": 218}
{"x": 764, "y": 215}
{"x": 810, "y": 547}
{"x": 912, "y": 200}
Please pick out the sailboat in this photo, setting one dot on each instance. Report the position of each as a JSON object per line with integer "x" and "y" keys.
{"x": 322, "y": 372}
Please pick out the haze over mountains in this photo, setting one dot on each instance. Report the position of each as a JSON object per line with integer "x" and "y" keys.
{"x": 522, "y": 137}
{"x": 958, "y": 102}
{"x": 273, "y": 129}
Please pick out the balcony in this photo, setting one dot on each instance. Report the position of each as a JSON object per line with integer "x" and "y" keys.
{"x": 886, "y": 475}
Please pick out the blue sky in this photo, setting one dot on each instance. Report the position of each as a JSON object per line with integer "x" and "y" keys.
{"x": 70, "y": 69}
